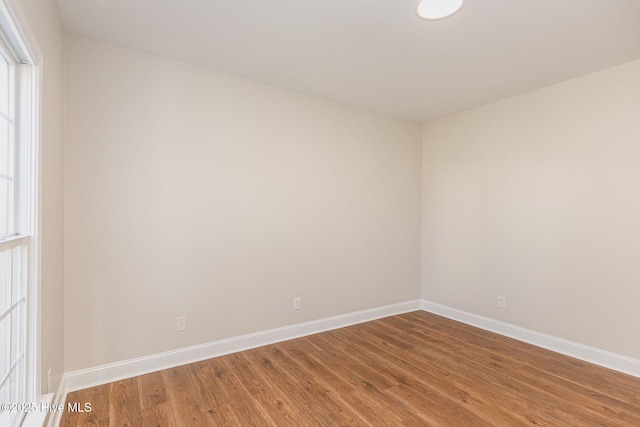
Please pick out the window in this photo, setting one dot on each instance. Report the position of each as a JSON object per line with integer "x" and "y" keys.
{"x": 7, "y": 144}
{"x": 18, "y": 220}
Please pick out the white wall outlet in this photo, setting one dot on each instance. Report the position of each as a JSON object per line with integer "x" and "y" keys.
{"x": 502, "y": 302}
{"x": 181, "y": 323}
{"x": 297, "y": 303}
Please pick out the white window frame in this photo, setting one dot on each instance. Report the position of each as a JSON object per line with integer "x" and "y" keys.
{"x": 19, "y": 39}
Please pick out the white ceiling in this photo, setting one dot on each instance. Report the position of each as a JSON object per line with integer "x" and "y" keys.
{"x": 376, "y": 53}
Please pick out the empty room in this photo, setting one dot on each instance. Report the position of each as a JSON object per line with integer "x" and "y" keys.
{"x": 319, "y": 213}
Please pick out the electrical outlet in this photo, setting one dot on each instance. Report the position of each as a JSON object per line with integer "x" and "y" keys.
{"x": 181, "y": 323}
{"x": 297, "y": 303}
{"x": 502, "y": 302}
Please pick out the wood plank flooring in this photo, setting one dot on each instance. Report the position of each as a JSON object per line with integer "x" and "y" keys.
{"x": 415, "y": 369}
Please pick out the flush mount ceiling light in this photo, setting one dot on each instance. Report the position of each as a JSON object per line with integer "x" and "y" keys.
{"x": 438, "y": 9}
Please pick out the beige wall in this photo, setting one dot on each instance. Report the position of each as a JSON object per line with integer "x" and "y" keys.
{"x": 195, "y": 193}
{"x": 537, "y": 198}
{"x": 42, "y": 16}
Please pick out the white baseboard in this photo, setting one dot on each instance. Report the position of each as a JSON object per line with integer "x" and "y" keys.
{"x": 593, "y": 355}
{"x": 60, "y": 398}
{"x": 98, "y": 375}
{"x": 38, "y": 418}
{"x": 130, "y": 368}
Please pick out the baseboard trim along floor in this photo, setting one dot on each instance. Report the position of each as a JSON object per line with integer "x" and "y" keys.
{"x": 91, "y": 377}
{"x": 129, "y": 368}
{"x": 583, "y": 352}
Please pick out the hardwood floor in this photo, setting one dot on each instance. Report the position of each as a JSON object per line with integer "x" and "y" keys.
{"x": 416, "y": 369}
